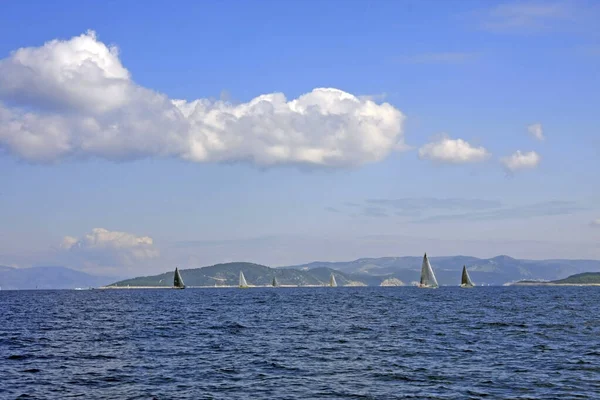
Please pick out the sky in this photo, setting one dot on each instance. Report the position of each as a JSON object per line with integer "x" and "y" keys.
{"x": 136, "y": 139}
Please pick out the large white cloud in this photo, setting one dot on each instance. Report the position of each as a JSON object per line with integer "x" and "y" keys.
{"x": 453, "y": 151}
{"x": 519, "y": 161}
{"x": 111, "y": 246}
{"x": 74, "y": 99}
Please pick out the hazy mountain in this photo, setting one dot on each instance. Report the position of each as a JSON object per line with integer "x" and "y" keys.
{"x": 48, "y": 278}
{"x": 493, "y": 271}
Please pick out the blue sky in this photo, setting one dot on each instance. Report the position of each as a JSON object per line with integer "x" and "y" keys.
{"x": 465, "y": 127}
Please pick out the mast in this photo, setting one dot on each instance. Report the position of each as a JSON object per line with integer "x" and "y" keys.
{"x": 177, "y": 280}
{"x": 332, "y": 282}
{"x": 466, "y": 279}
{"x": 427, "y": 276}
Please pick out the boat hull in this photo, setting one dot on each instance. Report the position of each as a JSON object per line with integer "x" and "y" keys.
{"x": 426, "y": 287}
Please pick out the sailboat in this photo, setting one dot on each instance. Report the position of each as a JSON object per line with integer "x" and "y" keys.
{"x": 332, "y": 282}
{"x": 274, "y": 283}
{"x": 466, "y": 281}
{"x": 427, "y": 276}
{"x": 243, "y": 283}
{"x": 177, "y": 280}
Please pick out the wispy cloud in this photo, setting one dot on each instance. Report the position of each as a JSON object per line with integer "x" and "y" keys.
{"x": 526, "y": 16}
{"x": 596, "y": 223}
{"x": 438, "y": 58}
{"x": 519, "y": 212}
{"x": 428, "y": 203}
{"x": 374, "y": 212}
{"x": 537, "y": 16}
{"x": 332, "y": 209}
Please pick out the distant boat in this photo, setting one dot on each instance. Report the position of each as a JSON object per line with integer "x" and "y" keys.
{"x": 427, "y": 276}
{"x": 177, "y": 280}
{"x": 466, "y": 281}
{"x": 243, "y": 283}
{"x": 332, "y": 282}
{"x": 274, "y": 283}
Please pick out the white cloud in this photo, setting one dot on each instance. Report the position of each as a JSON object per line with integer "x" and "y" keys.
{"x": 119, "y": 247}
{"x": 519, "y": 161}
{"x": 453, "y": 151}
{"x": 596, "y": 222}
{"x": 73, "y": 99}
{"x": 536, "y": 131}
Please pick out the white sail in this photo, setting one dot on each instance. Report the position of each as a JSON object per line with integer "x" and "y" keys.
{"x": 332, "y": 281}
{"x": 466, "y": 279}
{"x": 427, "y": 276}
{"x": 243, "y": 283}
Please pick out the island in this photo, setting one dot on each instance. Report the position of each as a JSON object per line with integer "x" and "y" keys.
{"x": 583, "y": 279}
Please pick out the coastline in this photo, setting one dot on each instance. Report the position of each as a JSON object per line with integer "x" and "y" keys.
{"x": 552, "y": 284}
{"x": 202, "y": 287}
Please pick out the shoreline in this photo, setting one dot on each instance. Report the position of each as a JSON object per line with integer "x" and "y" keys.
{"x": 552, "y": 284}
{"x": 203, "y": 287}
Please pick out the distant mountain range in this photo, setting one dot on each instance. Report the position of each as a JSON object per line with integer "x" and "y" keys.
{"x": 492, "y": 271}
{"x": 365, "y": 271}
{"x": 373, "y": 271}
{"x": 48, "y": 278}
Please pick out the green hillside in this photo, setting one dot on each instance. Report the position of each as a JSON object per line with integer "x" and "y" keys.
{"x": 584, "y": 278}
{"x": 228, "y": 275}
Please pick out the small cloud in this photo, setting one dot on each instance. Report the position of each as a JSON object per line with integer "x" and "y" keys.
{"x": 596, "y": 222}
{"x": 438, "y": 58}
{"x": 536, "y": 131}
{"x": 332, "y": 209}
{"x": 453, "y": 151}
{"x": 520, "y": 161}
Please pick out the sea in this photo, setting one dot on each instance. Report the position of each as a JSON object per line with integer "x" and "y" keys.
{"x": 301, "y": 343}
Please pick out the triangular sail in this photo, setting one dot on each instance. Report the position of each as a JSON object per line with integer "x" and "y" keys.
{"x": 427, "y": 275}
{"x": 243, "y": 283}
{"x": 177, "y": 280}
{"x": 466, "y": 279}
{"x": 332, "y": 281}
{"x": 274, "y": 283}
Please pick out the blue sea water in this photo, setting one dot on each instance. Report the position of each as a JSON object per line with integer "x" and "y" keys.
{"x": 301, "y": 343}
